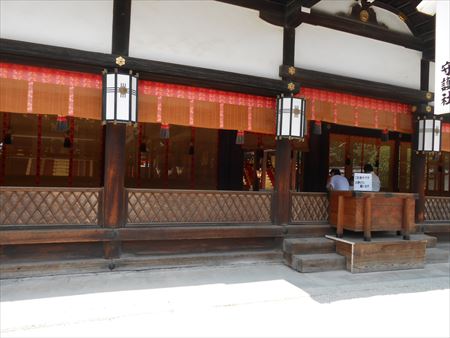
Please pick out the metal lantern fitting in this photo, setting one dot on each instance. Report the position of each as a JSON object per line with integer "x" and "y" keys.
{"x": 120, "y": 97}
{"x": 291, "y": 122}
{"x": 429, "y": 134}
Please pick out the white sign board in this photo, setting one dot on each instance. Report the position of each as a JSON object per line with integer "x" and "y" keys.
{"x": 442, "y": 69}
{"x": 362, "y": 182}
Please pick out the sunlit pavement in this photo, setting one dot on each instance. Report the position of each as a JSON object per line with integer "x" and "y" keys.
{"x": 251, "y": 300}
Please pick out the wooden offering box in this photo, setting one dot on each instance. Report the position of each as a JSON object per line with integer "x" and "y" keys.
{"x": 371, "y": 211}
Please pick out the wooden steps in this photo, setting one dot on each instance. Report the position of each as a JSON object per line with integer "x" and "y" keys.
{"x": 315, "y": 254}
{"x": 437, "y": 255}
{"x": 312, "y": 254}
{"x": 437, "y": 251}
{"x": 308, "y": 230}
{"x": 135, "y": 263}
{"x": 431, "y": 240}
{"x": 318, "y": 262}
{"x": 439, "y": 230}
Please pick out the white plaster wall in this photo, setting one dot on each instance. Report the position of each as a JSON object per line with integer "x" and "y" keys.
{"x": 432, "y": 77}
{"x": 391, "y": 20}
{"x": 331, "y": 51}
{"x": 78, "y": 24}
{"x": 206, "y": 34}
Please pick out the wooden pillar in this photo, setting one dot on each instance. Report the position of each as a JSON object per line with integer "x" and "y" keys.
{"x": 281, "y": 198}
{"x": 281, "y": 203}
{"x": 367, "y": 226}
{"x": 114, "y": 199}
{"x": 395, "y": 166}
{"x": 418, "y": 161}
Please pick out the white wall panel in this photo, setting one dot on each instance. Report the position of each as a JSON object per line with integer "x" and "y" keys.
{"x": 206, "y": 34}
{"x": 431, "y": 79}
{"x": 85, "y": 25}
{"x": 331, "y": 51}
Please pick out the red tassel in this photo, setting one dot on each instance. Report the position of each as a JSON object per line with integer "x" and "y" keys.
{"x": 164, "y": 132}
{"x": 61, "y": 123}
{"x": 240, "y": 137}
{"x": 317, "y": 128}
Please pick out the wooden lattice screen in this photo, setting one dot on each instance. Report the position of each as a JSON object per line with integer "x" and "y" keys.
{"x": 49, "y": 206}
{"x": 194, "y": 206}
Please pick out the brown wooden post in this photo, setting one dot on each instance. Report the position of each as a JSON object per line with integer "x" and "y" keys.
{"x": 340, "y": 217}
{"x": 282, "y": 205}
{"x": 114, "y": 199}
{"x": 418, "y": 161}
{"x": 367, "y": 219}
{"x": 114, "y": 178}
{"x": 407, "y": 210}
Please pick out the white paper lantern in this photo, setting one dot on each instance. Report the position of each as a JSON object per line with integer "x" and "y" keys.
{"x": 291, "y": 121}
{"x": 120, "y": 95}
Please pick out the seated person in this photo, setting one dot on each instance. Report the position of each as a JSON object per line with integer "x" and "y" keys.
{"x": 368, "y": 169}
{"x": 336, "y": 181}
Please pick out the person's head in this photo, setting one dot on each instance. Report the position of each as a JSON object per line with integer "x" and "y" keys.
{"x": 335, "y": 171}
{"x": 368, "y": 168}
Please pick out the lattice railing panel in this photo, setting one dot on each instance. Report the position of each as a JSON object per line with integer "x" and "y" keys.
{"x": 437, "y": 208}
{"x": 49, "y": 206}
{"x": 309, "y": 207}
{"x": 194, "y": 206}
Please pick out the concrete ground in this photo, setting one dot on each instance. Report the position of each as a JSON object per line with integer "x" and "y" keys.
{"x": 242, "y": 300}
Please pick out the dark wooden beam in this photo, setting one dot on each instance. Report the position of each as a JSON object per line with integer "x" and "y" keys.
{"x": 418, "y": 161}
{"x": 281, "y": 198}
{"x": 289, "y": 45}
{"x": 121, "y": 27}
{"x": 358, "y": 28}
{"x": 114, "y": 202}
{"x": 311, "y": 78}
{"x": 79, "y": 60}
{"x": 259, "y": 5}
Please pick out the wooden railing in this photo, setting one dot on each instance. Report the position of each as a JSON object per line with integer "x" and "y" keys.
{"x": 50, "y": 206}
{"x": 309, "y": 207}
{"x": 198, "y": 206}
{"x": 437, "y": 209}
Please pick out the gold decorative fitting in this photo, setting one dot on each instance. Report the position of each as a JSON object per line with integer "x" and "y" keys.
{"x": 291, "y": 86}
{"x": 291, "y": 70}
{"x": 428, "y": 109}
{"x": 402, "y": 16}
{"x": 120, "y": 61}
{"x": 364, "y": 15}
{"x": 428, "y": 95}
{"x": 414, "y": 109}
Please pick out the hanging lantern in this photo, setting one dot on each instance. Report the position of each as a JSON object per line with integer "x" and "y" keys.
{"x": 291, "y": 122}
{"x": 429, "y": 134}
{"x": 240, "y": 137}
{"x": 120, "y": 97}
{"x": 384, "y": 135}
{"x": 61, "y": 123}
{"x": 164, "y": 132}
{"x": 317, "y": 128}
